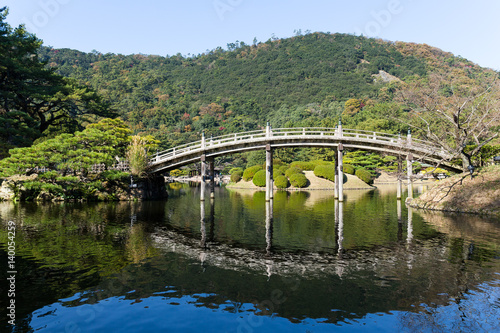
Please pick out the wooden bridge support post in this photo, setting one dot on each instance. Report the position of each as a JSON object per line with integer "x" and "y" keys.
{"x": 340, "y": 226}
{"x": 336, "y": 188}
{"x": 341, "y": 172}
{"x": 409, "y": 236}
{"x": 269, "y": 172}
{"x": 203, "y": 228}
{"x": 269, "y": 226}
{"x": 400, "y": 183}
{"x": 409, "y": 171}
{"x": 212, "y": 178}
{"x": 203, "y": 171}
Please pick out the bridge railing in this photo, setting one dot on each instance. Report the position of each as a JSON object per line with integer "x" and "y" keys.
{"x": 204, "y": 143}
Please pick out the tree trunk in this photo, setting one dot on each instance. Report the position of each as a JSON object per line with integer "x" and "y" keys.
{"x": 465, "y": 161}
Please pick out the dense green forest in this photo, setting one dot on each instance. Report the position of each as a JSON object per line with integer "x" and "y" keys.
{"x": 305, "y": 80}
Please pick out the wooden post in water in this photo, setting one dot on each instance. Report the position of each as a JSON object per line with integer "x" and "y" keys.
{"x": 336, "y": 188}
{"x": 269, "y": 226}
{"x": 400, "y": 220}
{"x": 203, "y": 171}
{"x": 400, "y": 183}
{"x": 269, "y": 172}
{"x": 340, "y": 218}
{"x": 271, "y": 193}
{"x": 409, "y": 172}
{"x": 341, "y": 172}
{"x": 212, "y": 178}
{"x": 203, "y": 228}
{"x": 409, "y": 236}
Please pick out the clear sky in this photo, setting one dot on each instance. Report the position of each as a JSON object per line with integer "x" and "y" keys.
{"x": 466, "y": 28}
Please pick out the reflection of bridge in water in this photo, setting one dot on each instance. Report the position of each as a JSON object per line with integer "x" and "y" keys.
{"x": 209, "y": 252}
{"x": 401, "y": 273}
{"x": 269, "y": 139}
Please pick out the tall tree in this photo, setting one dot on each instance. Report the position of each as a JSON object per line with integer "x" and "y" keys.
{"x": 453, "y": 110}
{"x": 33, "y": 96}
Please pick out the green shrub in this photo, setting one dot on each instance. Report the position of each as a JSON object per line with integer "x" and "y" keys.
{"x": 236, "y": 176}
{"x": 51, "y": 175}
{"x": 233, "y": 170}
{"x": 283, "y": 169}
{"x": 34, "y": 188}
{"x": 416, "y": 167}
{"x": 390, "y": 168}
{"x": 389, "y": 159}
{"x": 68, "y": 179}
{"x": 349, "y": 169}
{"x": 292, "y": 170}
{"x": 277, "y": 172}
{"x": 277, "y": 163}
{"x": 298, "y": 180}
{"x": 281, "y": 182}
{"x": 176, "y": 173}
{"x": 307, "y": 166}
{"x": 250, "y": 172}
{"x": 325, "y": 171}
{"x": 259, "y": 179}
{"x": 321, "y": 162}
{"x": 436, "y": 171}
{"x": 372, "y": 169}
{"x": 364, "y": 175}
{"x": 115, "y": 175}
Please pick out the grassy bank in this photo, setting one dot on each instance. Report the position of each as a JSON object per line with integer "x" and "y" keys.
{"x": 461, "y": 193}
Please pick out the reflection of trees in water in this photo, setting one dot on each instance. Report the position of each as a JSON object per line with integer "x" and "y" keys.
{"x": 83, "y": 235}
{"x": 138, "y": 245}
{"x": 64, "y": 248}
{"x": 465, "y": 226}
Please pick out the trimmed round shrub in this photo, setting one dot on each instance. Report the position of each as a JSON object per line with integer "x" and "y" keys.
{"x": 233, "y": 170}
{"x": 298, "y": 180}
{"x": 283, "y": 168}
{"x": 349, "y": 169}
{"x": 277, "y": 172}
{"x": 321, "y": 162}
{"x": 250, "y": 172}
{"x": 325, "y": 171}
{"x": 259, "y": 179}
{"x": 277, "y": 162}
{"x": 307, "y": 166}
{"x": 236, "y": 176}
{"x": 364, "y": 175}
{"x": 281, "y": 182}
{"x": 292, "y": 170}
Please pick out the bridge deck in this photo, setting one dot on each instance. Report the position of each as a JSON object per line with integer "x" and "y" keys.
{"x": 298, "y": 137}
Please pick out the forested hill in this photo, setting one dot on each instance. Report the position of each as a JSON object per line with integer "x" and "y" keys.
{"x": 305, "y": 80}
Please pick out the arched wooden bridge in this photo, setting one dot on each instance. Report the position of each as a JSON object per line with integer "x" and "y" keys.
{"x": 205, "y": 150}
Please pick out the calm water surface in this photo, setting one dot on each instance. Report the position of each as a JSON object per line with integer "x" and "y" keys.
{"x": 302, "y": 263}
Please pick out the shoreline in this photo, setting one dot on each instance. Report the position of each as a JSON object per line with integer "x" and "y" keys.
{"x": 479, "y": 195}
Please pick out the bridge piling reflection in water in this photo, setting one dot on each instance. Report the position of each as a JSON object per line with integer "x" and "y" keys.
{"x": 207, "y": 227}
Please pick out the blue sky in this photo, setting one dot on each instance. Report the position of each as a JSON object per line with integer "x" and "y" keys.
{"x": 466, "y": 28}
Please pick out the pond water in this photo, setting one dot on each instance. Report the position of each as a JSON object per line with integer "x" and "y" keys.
{"x": 302, "y": 263}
